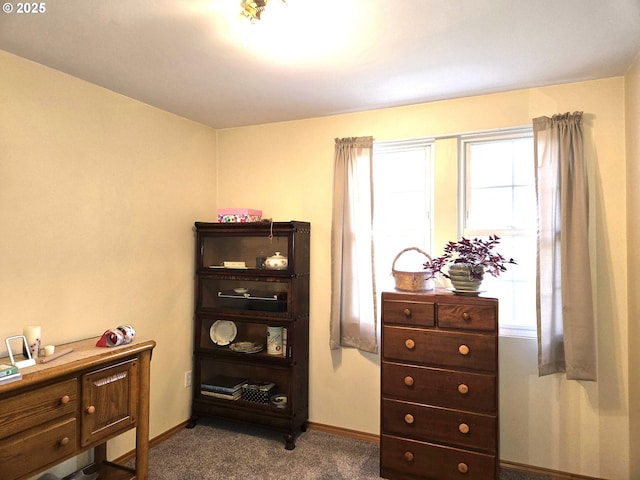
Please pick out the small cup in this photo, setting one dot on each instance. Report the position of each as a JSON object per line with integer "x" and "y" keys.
{"x": 128, "y": 333}
{"x": 274, "y": 340}
{"x": 114, "y": 338}
{"x": 33, "y": 334}
{"x": 49, "y": 350}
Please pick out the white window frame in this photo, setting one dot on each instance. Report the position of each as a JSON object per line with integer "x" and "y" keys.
{"x": 506, "y": 328}
{"x": 403, "y": 146}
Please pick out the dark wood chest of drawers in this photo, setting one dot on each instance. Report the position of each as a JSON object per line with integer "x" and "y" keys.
{"x": 439, "y": 382}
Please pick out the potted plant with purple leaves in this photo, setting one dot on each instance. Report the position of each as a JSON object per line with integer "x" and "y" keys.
{"x": 466, "y": 261}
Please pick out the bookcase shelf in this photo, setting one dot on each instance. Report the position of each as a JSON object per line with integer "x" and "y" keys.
{"x": 235, "y": 308}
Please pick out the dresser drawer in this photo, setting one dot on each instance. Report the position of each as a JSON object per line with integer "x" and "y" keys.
{"x": 474, "y": 392}
{"x": 425, "y": 460}
{"x": 468, "y": 316}
{"x": 29, "y": 409}
{"x": 408, "y": 312}
{"x": 436, "y": 347}
{"x": 434, "y": 424}
{"x": 36, "y": 448}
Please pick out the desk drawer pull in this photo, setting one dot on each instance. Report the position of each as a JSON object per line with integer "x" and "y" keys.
{"x": 463, "y": 349}
{"x": 463, "y": 428}
{"x": 408, "y": 381}
{"x": 408, "y": 418}
{"x": 410, "y": 344}
{"x": 407, "y": 312}
{"x": 65, "y": 399}
{"x": 463, "y": 467}
{"x": 64, "y": 441}
{"x": 408, "y": 456}
{"x": 463, "y": 388}
{"x": 91, "y": 410}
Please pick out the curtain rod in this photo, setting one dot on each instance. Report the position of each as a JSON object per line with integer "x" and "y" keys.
{"x": 456, "y": 135}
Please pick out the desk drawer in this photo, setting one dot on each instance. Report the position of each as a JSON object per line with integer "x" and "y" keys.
{"x": 436, "y": 347}
{"x": 441, "y": 425}
{"x": 473, "y": 392}
{"x": 425, "y": 460}
{"x": 37, "y": 448}
{"x": 23, "y": 411}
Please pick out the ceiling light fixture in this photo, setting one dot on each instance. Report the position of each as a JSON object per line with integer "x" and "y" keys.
{"x": 252, "y": 9}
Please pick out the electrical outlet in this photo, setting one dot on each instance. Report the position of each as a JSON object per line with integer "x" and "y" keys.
{"x": 187, "y": 379}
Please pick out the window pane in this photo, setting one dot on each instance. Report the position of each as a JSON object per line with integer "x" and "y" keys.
{"x": 500, "y": 199}
{"x": 402, "y": 205}
{"x": 399, "y": 172}
{"x": 399, "y": 208}
{"x": 490, "y": 164}
{"x": 524, "y": 207}
{"x": 490, "y": 208}
{"x": 523, "y": 168}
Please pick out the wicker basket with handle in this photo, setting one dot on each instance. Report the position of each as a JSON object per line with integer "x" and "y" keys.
{"x": 412, "y": 281}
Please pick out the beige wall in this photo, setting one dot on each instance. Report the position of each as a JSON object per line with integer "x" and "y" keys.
{"x": 98, "y": 194}
{"x": 632, "y": 108}
{"x": 286, "y": 170}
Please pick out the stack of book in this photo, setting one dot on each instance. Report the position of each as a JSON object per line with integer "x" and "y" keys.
{"x": 9, "y": 373}
{"x": 223, "y": 386}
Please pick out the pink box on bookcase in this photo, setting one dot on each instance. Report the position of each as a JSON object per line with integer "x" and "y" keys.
{"x": 238, "y": 215}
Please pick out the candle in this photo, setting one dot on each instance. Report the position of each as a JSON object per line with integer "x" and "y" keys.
{"x": 33, "y": 334}
{"x": 49, "y": 350}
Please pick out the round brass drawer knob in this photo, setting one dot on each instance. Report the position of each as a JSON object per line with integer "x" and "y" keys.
{"x": 65, "y": 399}
{"x": 463, "y": 467}
{"x": 408, "y": 381}
{"x": 408, "y": 418}
{"x": 410, "y": 344}
{"x": 408, "y": 456}
{"x": 466, "y": 316}
{"x": 463, "y": 349}
{"x": 463, "y": 388}
{"x": 91, "y": 410}
{"x": 407, "y": 312}
{"x": 463, "y": 428}
{"x": 64, "y": 441}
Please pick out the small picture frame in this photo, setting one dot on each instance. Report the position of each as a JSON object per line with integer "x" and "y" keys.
{"x": 27, "y": 362}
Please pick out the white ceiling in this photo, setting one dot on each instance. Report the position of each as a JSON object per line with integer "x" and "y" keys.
{"x": 200, "y": 59}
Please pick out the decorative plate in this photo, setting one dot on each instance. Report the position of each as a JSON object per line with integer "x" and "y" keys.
{"x": 466, "y": 293}
{"x": 246, "y": 347}
{"x": 223, "y": 332}
{"x": 279, "y": 400}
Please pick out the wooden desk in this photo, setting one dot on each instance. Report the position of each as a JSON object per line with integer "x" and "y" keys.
{"x": 76, "y": 402}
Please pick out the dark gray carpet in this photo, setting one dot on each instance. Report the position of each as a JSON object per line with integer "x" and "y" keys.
{"x": 506, "y": 474}
{"x": 216, "y": 450}
{"x": 219, "y": 450}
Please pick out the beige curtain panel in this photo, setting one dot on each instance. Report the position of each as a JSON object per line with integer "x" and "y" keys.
{"x": 566, "y": 325}
{"x": 353, "y": 304}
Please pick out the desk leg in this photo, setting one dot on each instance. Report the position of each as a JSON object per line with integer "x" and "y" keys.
{"x": 142, "y": 429}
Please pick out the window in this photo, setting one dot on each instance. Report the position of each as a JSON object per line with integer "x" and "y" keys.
{"x": 402, "y": 180}
{"x": 498, "y": 197}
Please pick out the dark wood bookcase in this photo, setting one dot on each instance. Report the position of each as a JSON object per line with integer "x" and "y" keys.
{"x": 234, "y": 289}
